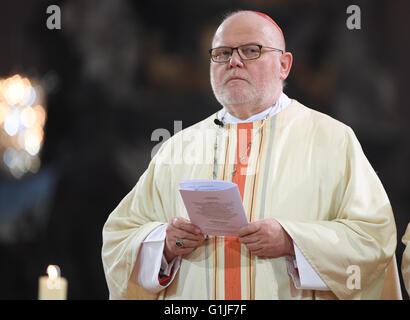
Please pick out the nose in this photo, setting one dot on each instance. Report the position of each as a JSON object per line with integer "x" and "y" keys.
{"x": 235, "y": 60}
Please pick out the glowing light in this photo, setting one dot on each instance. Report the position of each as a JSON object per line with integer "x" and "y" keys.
{"x": 32, "y": 142}
{"x": 17, "y": 90}
{"x": 12, "y": 121}
{"x": 28, "y": 117}
{"x": 30, "y": 96}
{"x": 40, "y": 115}
{"x": 9, "y": 157}
{"x": 22, "y": 119}
{"x": 20, "y": 138}
{"x": 16, "y": 160}
{"x": 53, "y": 272}
{"x": 37, "y": 130}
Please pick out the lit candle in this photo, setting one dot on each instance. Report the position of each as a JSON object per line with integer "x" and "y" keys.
{"x": 53, "y": 286}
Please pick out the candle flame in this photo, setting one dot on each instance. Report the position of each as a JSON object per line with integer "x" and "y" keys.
{"x": 53, "y": 272}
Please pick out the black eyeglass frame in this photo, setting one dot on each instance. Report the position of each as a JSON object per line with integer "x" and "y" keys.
{"x": 243, "y": 45}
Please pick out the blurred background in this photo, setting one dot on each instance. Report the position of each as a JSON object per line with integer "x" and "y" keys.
{"x": 78, "y": 106}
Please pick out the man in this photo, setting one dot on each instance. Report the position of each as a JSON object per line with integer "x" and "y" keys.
{"x": 320, "y": 223}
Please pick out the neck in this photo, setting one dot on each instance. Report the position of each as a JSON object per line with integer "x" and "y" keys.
{"x": 247, "y": 110}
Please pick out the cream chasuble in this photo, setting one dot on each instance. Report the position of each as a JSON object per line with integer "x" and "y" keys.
{"x": 300, "y": 167}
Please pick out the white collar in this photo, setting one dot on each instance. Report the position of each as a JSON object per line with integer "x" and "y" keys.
{"x": 281, "y": 104}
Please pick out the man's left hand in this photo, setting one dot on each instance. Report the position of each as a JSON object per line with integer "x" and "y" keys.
{"x": 266, "y": 238}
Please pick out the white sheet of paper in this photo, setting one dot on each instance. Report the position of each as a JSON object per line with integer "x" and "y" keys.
{"x": 215, "y": 206}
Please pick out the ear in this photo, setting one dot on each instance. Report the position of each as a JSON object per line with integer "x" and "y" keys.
{"x": 286, "y": 60}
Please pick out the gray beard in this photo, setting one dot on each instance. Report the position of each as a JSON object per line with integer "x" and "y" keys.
{"x": 227, "y": 97}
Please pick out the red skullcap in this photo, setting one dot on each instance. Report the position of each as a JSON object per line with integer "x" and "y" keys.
{"x": 268, "y": 18}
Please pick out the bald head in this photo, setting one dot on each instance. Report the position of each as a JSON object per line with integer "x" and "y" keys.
{"x": 241, "y": 20}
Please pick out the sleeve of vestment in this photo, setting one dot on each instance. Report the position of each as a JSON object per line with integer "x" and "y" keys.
{"x": 151, "y": 263}
{"x": 351, "y": 251}
{"x": 136, "y": 216}
{"x": 302, "y": 274}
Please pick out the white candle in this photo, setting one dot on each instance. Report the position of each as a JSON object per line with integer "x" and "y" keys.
{"x": 53, "y": 286}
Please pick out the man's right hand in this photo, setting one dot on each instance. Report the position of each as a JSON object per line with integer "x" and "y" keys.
{"x": 180, "y": 228}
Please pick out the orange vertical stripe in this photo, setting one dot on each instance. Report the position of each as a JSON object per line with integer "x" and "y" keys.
{"x": 232, "y": 268}
{"x": 232, "y": 250}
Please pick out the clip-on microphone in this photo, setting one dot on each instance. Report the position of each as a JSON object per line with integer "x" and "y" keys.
{"x": 218, "y": 122}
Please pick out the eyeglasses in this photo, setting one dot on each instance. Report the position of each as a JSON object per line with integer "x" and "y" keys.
{"x": 246, "y": 52}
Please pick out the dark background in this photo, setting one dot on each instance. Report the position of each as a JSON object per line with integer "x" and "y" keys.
{"x": 118, "y": 70}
